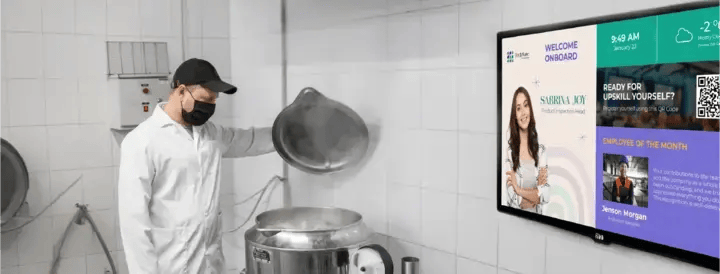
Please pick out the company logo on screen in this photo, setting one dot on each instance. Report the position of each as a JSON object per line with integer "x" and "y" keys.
{"x": 511, "y": 55}
{"x": 561, "y": 52}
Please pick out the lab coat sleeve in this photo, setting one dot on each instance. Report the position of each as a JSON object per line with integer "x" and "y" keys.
{"x": 134, "y": 196}
{"x": 246, "y": 142}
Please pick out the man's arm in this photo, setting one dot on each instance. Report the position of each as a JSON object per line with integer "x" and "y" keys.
{"x": 134, "y": 194}
{"x": 247, "y": 142}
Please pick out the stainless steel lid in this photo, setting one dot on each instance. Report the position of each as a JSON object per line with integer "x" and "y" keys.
{"x": 309, "y": 228}
{"x": 15, "y": 181}
{"x": 319, "y": 135}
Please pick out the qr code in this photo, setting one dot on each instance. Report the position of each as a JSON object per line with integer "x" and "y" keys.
{"x": 708, "y": 103}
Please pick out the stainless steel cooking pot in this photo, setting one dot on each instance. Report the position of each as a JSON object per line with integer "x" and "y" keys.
{"x": 319, "y": 135}
{"x": 15, "y": 181}
{"x": 307, "y": 240}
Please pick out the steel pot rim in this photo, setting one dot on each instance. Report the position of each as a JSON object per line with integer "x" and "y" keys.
{"x": 300, "y": 250}
{"x": 360, "y": 220}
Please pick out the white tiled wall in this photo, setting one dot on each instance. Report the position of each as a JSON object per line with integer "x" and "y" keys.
{"x": 253, "y": 32}
{"x": 53, "y": 89}
{"x": 53, "y": 80}
{"x": 424, "y": 73}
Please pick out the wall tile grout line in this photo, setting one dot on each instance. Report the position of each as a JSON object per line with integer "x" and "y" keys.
{"x": 457, "y": 143}
{"x": 43, "y": 60}
{"x": 497, "y": 252}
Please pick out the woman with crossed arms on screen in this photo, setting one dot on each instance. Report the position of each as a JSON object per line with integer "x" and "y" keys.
{"x": 526, "y": 160}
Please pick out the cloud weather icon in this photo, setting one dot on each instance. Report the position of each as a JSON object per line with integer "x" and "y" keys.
{"x": 683, "y": 36}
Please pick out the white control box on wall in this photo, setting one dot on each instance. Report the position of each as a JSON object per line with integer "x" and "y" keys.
{"x": 133, "y": 100}
{"x": 138, "y": 75}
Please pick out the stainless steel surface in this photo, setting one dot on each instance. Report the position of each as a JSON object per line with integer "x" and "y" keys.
{"x": 307, "y": 219}
{"x": 410, "y": 265}
{"x": 15, "y": 181}
{"x": 319, "y": 135}
{"x": 305, "y": 240}
{"x": 309, "y": 228}
{"x": 288, "y": 262}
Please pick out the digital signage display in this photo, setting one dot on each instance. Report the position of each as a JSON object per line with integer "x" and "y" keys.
{"x": 609, "y": 127}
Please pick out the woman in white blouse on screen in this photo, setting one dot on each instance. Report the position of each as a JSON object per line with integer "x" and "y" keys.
{"x": 526, "y": 159}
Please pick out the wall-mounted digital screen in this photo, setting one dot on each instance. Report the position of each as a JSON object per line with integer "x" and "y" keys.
{"x": 609, "y": 127}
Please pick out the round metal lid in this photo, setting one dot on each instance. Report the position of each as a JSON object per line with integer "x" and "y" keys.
{"x": 15, "y": 181}
{"x": 319, "y": 135}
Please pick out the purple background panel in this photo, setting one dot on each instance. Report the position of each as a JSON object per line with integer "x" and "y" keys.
{"x": 680, "y": 226}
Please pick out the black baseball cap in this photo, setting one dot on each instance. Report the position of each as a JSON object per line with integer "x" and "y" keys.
{"x": 200, "y": 72}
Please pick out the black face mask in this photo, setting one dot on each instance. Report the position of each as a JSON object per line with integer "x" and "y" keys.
{"x": 200, "y": 114}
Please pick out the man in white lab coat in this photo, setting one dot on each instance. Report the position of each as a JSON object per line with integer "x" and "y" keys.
{"x": 169, "y": 178}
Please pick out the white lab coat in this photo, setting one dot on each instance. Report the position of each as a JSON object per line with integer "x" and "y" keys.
{"x": 168, "y": 192}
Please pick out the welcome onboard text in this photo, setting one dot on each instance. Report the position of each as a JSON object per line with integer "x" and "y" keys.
{"x": 559, "y": 57}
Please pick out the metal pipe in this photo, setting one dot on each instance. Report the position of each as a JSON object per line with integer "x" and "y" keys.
{"x": 80, "y": 214}
{"x": 287, "y": 194}
{"x": 183, "y": 8}
{"x": 410, "y": 265}
{"x": 100, "y": 238}
{"x": 61, "y": 243}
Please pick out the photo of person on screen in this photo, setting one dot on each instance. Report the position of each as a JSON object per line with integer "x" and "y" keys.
{"x": 526, "y": 160}
{"x": 622, "y": 191}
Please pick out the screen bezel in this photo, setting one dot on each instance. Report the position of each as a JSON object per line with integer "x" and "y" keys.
{"x": 598, "y": 235}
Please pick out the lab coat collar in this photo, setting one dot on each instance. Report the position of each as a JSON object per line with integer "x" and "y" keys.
{"x": 163, "y": 119}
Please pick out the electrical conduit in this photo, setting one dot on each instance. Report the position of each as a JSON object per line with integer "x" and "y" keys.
{"x": 287, "y": 197}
